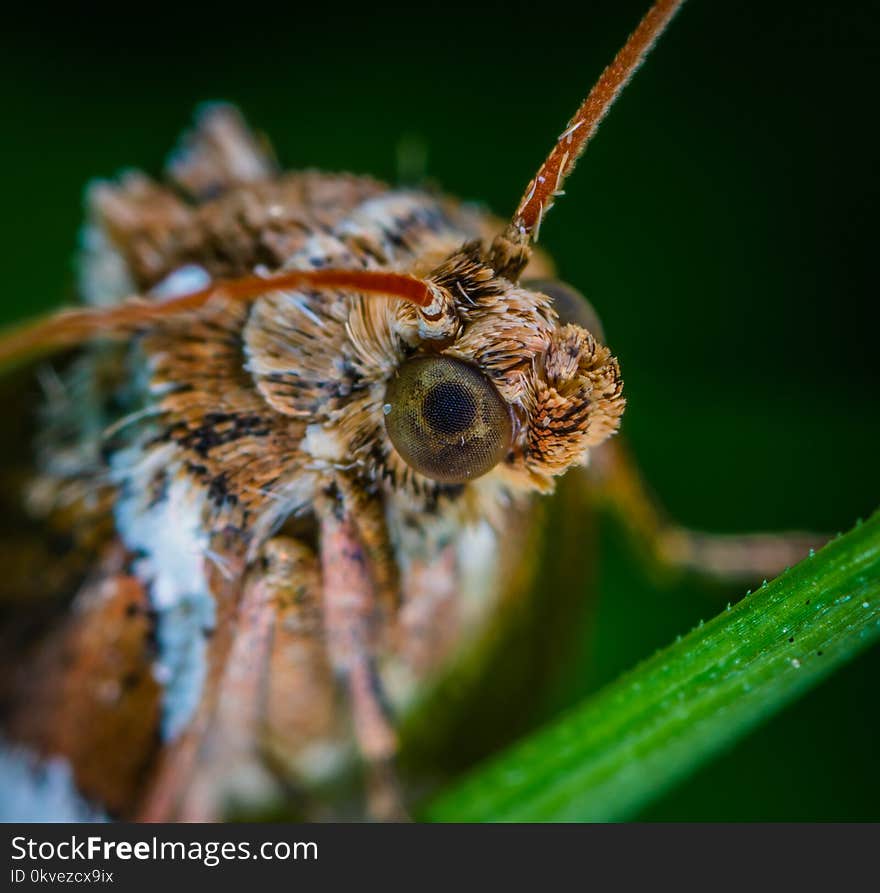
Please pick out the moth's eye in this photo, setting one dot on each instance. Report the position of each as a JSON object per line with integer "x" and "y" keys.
{"x": 570, "y": 305}
{"x": 446, "y": 419}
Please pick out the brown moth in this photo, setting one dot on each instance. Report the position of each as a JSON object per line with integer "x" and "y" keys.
{"x": 294, "y": 472}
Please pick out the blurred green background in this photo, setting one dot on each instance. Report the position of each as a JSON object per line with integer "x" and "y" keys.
{"x": 723, "y": 224}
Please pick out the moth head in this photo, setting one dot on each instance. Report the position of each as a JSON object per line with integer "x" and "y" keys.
{"x": 515, "y": 378}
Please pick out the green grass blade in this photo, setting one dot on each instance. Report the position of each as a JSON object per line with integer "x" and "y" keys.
{"x": 659, "y": 722}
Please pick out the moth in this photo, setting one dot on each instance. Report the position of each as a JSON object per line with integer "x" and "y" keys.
{"x": 285, "y": 478}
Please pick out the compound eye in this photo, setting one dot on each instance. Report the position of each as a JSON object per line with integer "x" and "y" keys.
{"x": 446, "y": 419}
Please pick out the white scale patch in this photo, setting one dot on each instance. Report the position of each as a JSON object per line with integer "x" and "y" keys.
{"x": 40, "y": 790}
{"x": 172, "y": 541}
{"x": 182, "y": 281}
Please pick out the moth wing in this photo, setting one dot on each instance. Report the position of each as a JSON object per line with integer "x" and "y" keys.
{"x": 83, "y": 698}
{"x": 219, "y": 153}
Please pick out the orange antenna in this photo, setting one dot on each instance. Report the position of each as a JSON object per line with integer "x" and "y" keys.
{"x": 70, "y": 327}
{"x": 547, "y": 183}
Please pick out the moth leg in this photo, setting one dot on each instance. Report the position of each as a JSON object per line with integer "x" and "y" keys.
{"x": 350, "y": 603}
{"x": 169, "y": 797}
{"x": 735, "y": 557}
{"x": 277, "y": 720}
{"x": 306, "y": 735}
{"x": 227, "y": 772}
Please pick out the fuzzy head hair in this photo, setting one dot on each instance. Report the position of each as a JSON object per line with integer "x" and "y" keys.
{"x": 423, "y": 397}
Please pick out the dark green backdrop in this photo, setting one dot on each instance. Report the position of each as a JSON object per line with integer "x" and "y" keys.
{"x": 723, "y": 223}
